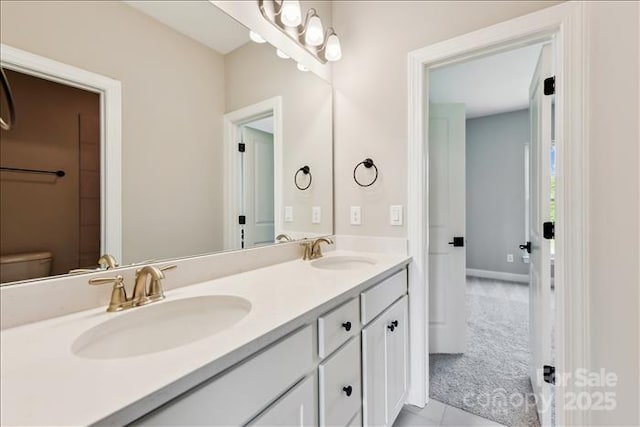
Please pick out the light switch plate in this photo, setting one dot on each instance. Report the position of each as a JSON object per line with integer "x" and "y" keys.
{"x": 395, "y": 215}
{"x": 316, "y": 215}
{"x": 356, "y": 217}
{"x": 288, "y": 214}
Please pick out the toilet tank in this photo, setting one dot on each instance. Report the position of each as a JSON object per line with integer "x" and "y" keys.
{"x": 29, "y": 265}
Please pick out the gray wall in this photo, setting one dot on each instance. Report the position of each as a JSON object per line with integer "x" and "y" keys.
{"x": 495, "y": 191}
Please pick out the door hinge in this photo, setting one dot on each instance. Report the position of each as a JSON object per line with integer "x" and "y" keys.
{"x": 549, "y": 374}
{"x": 242, "y": 147}
{"x": 550, "y": 85}
{"x": 242, "y": 219}
{"x": 526, "y": 247}
{"x": 548, "y": 230}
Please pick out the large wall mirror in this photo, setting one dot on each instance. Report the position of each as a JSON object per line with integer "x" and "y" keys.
{"x": 225, "y": 143}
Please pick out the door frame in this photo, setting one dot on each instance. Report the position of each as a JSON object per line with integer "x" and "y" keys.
{"x": 232, "y": 199}
{"x": 565, "y": 24}
{"x": 110, "y": 92}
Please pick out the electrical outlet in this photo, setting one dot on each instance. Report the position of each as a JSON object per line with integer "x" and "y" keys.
{"x": 356, "y": 217}
{"x": 509, "y": 257}
{"x": 288, "y": 214}
{"x": 316, "y": 213}
{"x": 395, "y": 215}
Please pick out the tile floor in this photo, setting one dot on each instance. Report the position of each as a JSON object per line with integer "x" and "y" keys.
{"x": 439, "y": 414}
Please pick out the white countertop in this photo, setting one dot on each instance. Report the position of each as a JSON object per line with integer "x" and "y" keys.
{"x": 43, "y": 383}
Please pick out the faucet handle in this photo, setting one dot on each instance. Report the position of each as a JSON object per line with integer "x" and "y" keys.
{"x": 168, "y": 267}
{"x": 118, "y": 280}
{"x": 119, "y": 298}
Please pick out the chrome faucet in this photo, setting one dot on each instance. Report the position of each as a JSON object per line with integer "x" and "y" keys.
{"x": 312, "y": 249}
{"x": 142, "y": 293}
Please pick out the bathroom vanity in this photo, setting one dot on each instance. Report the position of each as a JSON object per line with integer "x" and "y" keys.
{"x": 313, "y": 342}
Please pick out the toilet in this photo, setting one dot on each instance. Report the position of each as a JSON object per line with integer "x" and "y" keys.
{"x": 28, "y": 265}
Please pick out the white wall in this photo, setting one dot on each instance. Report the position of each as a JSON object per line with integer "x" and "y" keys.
{"x": 613, "y": 48}
{"x": 371, "y": 120}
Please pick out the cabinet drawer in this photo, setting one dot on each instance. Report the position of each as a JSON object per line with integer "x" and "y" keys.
{"x": 375, "y": 300}
{"x": 337, "y": 326}
{"x": 296, "y": 408}
{"x": 340, "y": 390}
{"x": 236, "y": 396}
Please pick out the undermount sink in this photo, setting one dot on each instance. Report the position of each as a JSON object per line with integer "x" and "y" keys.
{"x": 343, "y": 262}
{"x": 161, "y": 326}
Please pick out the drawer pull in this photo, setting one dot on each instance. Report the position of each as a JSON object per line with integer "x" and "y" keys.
{"x": 348, "y": 390}
{"x": 347, "y": 326}
{"x": 393, "y": 325}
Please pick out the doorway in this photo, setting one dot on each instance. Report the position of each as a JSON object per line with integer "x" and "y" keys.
{"x": 252, "y": 174}
{"x": 257, "y": 183}
{"x": 561, "y": 23}
{"x": 483, "y": 114}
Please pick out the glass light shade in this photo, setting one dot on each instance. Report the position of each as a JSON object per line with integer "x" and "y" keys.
{"x": 314, "y": 34}
{"x": 290, "y": 14}
{"x": 302, "y": 67}
{"x": 256, "y": 37}
{"x": 333, "y": 51}
{"x": 281, "y": 54}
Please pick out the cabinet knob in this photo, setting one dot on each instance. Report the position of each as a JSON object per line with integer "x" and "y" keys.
{"x": 347, "y": 326}
{"x": 393, "y": 325}
{"x": 348, "y": 390}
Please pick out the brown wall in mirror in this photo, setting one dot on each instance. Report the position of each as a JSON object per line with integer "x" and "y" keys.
{"x": 57, "y": 129}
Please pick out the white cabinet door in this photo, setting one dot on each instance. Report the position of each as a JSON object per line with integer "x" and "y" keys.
{"x": 397, "y": 358}
{"x": 385, "y": 365}
{"x": 296, "y": 408}
{"x": 374, "y": 365}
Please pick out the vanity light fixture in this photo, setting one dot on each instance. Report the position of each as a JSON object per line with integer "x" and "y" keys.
{"x": 290, "y": 13}
{"x": 286, "y": 16}
{"x": 332, "y": 48}
{"x": 281, "y": 54}
{"x": 313, "y": 31}
{"x": 256, "y": 37}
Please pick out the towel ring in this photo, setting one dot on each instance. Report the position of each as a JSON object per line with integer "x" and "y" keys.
{"x": 367, "y": 163}
{"x": 307, "y": 171}
{"x": 10, "y": 103}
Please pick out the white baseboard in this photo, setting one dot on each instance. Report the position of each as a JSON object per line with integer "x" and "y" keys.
{"x": 498, "y": 275}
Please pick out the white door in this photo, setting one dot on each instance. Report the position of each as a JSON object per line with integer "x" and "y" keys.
{"x": 258, "y": 187}
{"x": 447, "y": 263}
{"x": 540, "y": 271}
